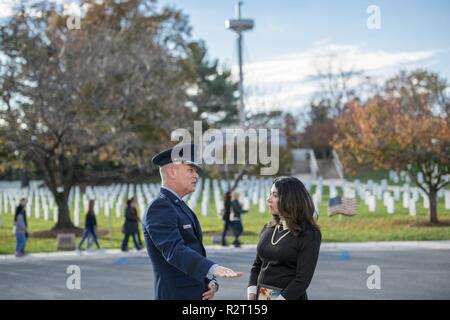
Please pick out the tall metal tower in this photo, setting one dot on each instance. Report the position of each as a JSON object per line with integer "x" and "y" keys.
{"x": 240, "y": 25}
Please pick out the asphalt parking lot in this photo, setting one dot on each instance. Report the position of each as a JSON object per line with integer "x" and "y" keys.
{"x": 341, "y": 274}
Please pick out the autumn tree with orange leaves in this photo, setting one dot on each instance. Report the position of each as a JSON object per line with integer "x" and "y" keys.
{"x": 405, "y": 128}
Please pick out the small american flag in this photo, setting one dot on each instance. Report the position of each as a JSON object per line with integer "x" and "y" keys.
{"x": 345, "y": 206}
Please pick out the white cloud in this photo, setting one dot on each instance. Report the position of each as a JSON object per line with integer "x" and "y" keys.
{"x": 7, "y": 6}
{"x": 286, "y": 81}
{"x": 5, "y": 10}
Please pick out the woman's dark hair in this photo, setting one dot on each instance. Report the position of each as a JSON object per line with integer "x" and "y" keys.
{"x": 129, "y": 201}
{"x": 227, "y": 195}
{"x": 294, "y": 204}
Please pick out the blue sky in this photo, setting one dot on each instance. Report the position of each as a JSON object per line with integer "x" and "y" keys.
{"x": 287, "y": 26}
{"x": 292, "y": 40}
{"x": 290, "y": 36}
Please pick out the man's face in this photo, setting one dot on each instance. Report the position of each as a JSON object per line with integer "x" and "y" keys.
{"x": 186, "y": 177}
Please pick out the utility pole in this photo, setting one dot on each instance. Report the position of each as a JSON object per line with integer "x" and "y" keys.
{"x": 240, "y": 25}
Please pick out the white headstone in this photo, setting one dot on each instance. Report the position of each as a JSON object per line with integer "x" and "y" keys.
{"x": 397, "y": 193}
{"x": 420, "y": 177}
{"x": 96, "y": 208}
{"x": 426, "y": 201}
{"x": 262, "y": 205}
{"x": 390, "y": 205}
{"x": 372, "y": 203}
{"x": 246, "y": 203}
{"x": 106, "y": 209}
{"x": 55, "y": 214}
{"x": 36, "y": 206}
{"x": 406, "y": 198}
{"x": 412, "y": 208}
{"x": 29, "y": 207}
{"x": 76, "y": 216}
{"x": 447, "y": 199}
{"x": 386, "y": 196}
{"x": 367, "y": 196}
{"x": 45, "y": 212}
{"x": 205, "y": 198}
{"x": 118, "y": 209}
{"x": 333, "y": 191}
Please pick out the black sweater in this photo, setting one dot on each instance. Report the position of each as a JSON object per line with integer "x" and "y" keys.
{"x": 290, "y": 264}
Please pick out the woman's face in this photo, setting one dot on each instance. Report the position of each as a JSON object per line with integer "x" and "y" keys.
{"x": 272, "y": 201}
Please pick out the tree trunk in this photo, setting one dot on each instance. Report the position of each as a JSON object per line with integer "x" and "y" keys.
{"x": 64, "y": 221}
{"x": 433, "y": 206}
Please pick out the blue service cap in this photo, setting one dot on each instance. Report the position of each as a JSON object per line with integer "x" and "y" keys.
{"x": 185, "y": 153}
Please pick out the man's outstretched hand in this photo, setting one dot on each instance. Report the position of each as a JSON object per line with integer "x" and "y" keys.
{"x": 226, "y": 273}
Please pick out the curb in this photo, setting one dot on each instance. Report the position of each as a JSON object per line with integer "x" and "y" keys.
{"x": 327, "y": 246}
{"x": 386, "y": 245}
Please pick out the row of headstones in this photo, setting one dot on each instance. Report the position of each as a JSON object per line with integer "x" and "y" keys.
{"x": 252, "y": 191}
{"x": 113, "y": 198}
{"x": 404, "y": 176}
{"x": 39, "y": 200}
{"x": 371, "y": 192}
{"x": 42, "y": 200}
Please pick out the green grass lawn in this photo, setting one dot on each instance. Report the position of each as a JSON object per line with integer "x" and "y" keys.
{"x": 365, "y": 226}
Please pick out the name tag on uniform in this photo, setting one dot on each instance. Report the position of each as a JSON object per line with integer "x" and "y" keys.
{"x": 187, "y": 226}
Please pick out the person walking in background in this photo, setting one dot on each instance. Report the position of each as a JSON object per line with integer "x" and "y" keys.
{"x": 90, "y": 224}
{"x": 136, "y": 216}
{"x": 21, "y": 227}
{"x": 130, "y": 226}
{"x": 235, "y": 218}
{"x": 288, "y": 248}
{"x": 226, "y": 217}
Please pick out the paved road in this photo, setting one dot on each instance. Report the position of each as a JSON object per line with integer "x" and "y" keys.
{"x": 341, "y": 274}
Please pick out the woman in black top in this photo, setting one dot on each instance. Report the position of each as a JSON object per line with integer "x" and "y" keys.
{"x": 289, "y": 245}
{"x": 90, "y": 226}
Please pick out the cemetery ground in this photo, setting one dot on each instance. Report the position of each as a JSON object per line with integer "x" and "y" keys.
{"x": 364, "y": 226}
{"x": 341, "y": 273}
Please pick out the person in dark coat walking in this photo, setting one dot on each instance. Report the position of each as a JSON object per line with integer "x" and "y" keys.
{"x": 235, "y": 218}
{"x": 130, "y": 226}
{"x": 136, "y": 215}
{"x": 90, "y": 226}
{"x": 226, "y": 217}
{"x": 21, "y": 225}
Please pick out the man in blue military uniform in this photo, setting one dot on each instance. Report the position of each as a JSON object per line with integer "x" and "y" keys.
{"x": 173, "y": 234}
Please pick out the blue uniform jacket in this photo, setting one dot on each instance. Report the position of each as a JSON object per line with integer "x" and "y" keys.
{"x": 174, "y": 243}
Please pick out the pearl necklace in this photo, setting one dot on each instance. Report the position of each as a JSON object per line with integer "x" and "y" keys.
{"x": 273, "y": 235}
